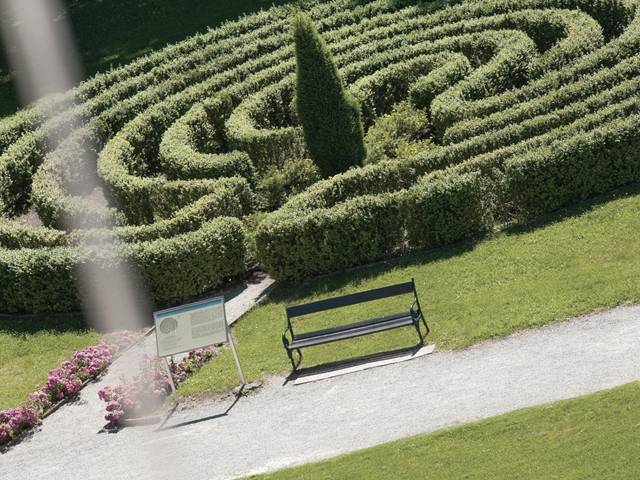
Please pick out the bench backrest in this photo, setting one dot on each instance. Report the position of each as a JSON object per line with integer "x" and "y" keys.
{"x": 352, "y": 299}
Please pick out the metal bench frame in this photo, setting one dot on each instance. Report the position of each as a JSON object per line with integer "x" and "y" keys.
{"x": 294, "y": 343}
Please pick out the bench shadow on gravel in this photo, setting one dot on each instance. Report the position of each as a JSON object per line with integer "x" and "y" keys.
{"x": 360, "y": 361}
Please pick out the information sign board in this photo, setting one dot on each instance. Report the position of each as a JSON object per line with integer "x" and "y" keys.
{"x": 192, "y": 326}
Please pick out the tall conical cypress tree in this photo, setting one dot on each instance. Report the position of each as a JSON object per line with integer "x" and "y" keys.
{"x": 330, "y": 115}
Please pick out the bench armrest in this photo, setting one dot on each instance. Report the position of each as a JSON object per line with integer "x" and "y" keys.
{"x": 285, "y": 338}
{"x": 416, "y": 313}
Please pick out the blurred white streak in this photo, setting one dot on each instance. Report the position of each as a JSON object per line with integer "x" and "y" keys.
{"x": 43, "y": 55}
{"x": 41, "y": 49}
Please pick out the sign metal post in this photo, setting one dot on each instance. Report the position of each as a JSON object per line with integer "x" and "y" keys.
{"x": 232, "y": 344}
{"x": 165, "y": 362}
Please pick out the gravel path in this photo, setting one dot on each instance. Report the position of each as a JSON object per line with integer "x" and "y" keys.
{"x": 283, "y": 425}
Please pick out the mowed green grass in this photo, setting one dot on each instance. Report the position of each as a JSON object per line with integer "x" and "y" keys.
{"x": 585, "y": 438}
{"x": 575, "y": 262}
{"x": 29, "y": 349}
{"x": 109, "y": 33}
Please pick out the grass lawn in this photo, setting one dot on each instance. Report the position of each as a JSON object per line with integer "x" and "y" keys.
{"x": 30, "y": 348}
{"x": 575, "y": 262}
{"x": 114, "y": 32}
{"x": 589, "y": 437}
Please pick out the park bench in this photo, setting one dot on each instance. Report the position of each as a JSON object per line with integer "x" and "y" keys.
{"x": 294, "y": 342}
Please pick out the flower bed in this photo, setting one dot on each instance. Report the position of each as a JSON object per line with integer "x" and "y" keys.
{"x": 62, "y": 383}
{"x": 146, "y": 392}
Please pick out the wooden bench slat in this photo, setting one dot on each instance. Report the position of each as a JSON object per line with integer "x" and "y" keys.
{"x": 349, "y": 326}
{"x": 356, "y": 332}
{"x": 351, "y": 299}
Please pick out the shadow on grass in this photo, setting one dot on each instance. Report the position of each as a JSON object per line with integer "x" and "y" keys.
{"x": 289, "y": 292}
{"x": 325, "y": 284}
{"x": 423, "y": 6}
{"x": 31, "y": 324}
{"x": 116, "y": 32}
{"x": 572, "y": 211}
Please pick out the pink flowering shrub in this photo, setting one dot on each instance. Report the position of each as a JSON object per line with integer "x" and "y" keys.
{"x": 91, "y": 361}
{"x": 117, "y": 401}
{"x": 63, "y": 382}
{"x": 14, "y": 421}
{"x": 146, "y": 392}
{"x": 190, "y": 364}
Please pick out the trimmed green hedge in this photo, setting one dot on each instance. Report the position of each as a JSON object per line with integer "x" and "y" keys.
{"x": 193, "y": 148}
{"x": 446, "y": 207}
{"x": 359, "y": 231}
{"x": 576, "y": 168}
{"x": 44, "y": 279}
{"x": 535, "y": 105}
{"x": 34, "y": 280}
{"x": 189, "y": 264}
{"x": 442, "y": 208}
{"x": 262, "y": 127}
{"x": 14, "y": 235}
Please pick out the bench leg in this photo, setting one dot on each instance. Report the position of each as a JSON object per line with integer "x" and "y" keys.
{"x": 417, "y": 325}
{"x": 426, "y": 327}
{"x": 294, "y": 365}
{"x": 290, "y": 355}
{"x": 299, "y": 359}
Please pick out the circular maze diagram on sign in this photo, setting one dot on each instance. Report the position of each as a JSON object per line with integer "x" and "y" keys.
{"x": 529, "y": 105}
{"x": 168, "y": 325}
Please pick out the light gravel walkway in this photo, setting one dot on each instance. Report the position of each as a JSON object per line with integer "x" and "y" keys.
{"x": 285, "y": 425}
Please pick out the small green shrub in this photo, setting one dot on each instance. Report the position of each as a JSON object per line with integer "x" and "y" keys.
{"x": 445, "y": 207}
{"x": 278, "y": 184}
{"x": 330, "y": 116}
{"x": 401, "y": 134}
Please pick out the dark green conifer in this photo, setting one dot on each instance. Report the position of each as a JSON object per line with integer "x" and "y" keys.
{"x": 330, "y": 115}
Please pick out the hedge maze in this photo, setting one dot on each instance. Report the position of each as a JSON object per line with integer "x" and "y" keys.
{"x": 532, "y": 104}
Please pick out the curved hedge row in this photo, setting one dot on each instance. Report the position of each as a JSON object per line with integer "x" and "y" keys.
{"x": 193, "y": 147}
{"x": 45, "y": 279}
{"x": 533, "y": 104}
